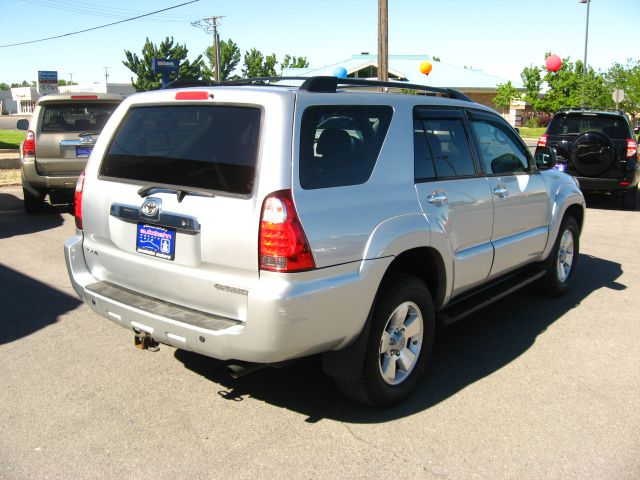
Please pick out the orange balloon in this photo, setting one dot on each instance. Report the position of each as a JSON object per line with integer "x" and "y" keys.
{"x": 425, "y": 67}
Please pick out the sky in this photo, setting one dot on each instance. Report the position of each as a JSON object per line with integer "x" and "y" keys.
{"x": 500, "y": 37}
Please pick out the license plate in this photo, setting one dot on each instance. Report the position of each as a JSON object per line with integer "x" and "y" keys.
{"x": 156, "y": 241}
{"x": 561, "y": 167}
{"x": 83, "y": 151}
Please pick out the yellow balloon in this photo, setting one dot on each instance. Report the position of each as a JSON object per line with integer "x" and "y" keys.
{"x": 425, "y": 67}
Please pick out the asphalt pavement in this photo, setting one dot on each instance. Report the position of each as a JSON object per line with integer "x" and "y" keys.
{"x": 529, "y": 388}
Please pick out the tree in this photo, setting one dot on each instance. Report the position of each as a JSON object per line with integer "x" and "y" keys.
{"x": 532, "y": 82}
{"x": 63, "y": 83}
{"x": 229, "y": 59}
{"x": 293, "y": 62}
{"x": 23, "y": 84}
{"x": 257, "y": 65}
{"x": 627, "y": 78}
{"x": 506, "y": 94}
{"x": 141, "y": 67}
{"x": 4, "y": 86}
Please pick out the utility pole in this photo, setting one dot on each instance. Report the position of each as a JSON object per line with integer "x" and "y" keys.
{"x": 106, "y": 76}
{"x": 210, "y": 25}
{"x": 71, "y": 75}
{"x": 383, "y": 43}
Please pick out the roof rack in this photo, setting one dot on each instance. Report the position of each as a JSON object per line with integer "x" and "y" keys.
{"x": 327, "y": 84}
{"x": 590, "y": 109}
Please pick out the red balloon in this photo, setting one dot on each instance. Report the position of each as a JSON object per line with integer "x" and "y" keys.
{"x": 553, "y": 63}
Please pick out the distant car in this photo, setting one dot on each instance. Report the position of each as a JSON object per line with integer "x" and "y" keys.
{"x": 598, "y": 148}
{"x": 60, "y": 137}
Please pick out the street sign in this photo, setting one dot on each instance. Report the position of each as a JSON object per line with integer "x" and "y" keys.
{"x": 618, "y": 95}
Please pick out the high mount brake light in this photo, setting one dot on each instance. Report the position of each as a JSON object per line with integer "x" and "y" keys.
{"x": 542, "y": 141}
{"x": 84, "y": 97}
{"x": 77, "y": 201}
{"x": 192, "y": 95}
{"x": 29, "y": 145}
{"x": 283, "y": 246}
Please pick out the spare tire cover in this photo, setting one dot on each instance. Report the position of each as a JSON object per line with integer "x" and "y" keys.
{"x": 592, "y": 153}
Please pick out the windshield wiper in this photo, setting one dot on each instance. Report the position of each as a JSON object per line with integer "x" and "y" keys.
{"x": 180, "y": 192}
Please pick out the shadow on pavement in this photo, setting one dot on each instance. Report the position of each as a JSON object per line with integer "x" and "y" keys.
{"x": 28, "y": 305}
{"x": 464, "y": 353}
{"x": 15, "y": 221}
{"x": 607, "y": 202}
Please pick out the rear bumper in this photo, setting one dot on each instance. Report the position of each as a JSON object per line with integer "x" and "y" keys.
{"x": 288, "y": 316}
{"x": 590, "y": 184}
{"x": 37, "y": 183}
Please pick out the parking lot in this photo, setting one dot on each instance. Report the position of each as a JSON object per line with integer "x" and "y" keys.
{"x": 529, "y": 388}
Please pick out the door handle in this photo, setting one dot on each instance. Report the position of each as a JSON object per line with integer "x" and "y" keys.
{"x": 501, "y": 191}
{"x": 437, "y": 198}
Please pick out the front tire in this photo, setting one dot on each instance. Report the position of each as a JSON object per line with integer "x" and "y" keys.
{"x": 399, "y": 345}
{"x": 561, "y": 264}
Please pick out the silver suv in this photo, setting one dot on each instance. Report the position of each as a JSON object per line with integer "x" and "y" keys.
{"x": 257, "y": 224}
{"x": 60, "y": 136}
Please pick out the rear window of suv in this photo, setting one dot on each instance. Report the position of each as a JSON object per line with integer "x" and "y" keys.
{"x": 339, "y": 145}
{"x": 610, "y": 125}
{"x": 210, "y": 147}
{"x": 76, "y": 117}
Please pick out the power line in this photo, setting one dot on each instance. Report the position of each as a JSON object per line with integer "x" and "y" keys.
{"x": 100, "y": 26}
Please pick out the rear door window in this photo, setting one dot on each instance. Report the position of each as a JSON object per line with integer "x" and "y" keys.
{"x": 441, "y": 146}
{"x": 339, "y": 145}
{"x": 210, "y": 147}
{"x": 76, "y": 117}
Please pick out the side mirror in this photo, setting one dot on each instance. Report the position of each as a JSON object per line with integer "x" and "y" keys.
{"x": 23, "y": 124}
{"x": 545, "y": 158}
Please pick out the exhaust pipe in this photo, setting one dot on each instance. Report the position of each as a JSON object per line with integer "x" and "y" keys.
{"x": 240, "y": 369}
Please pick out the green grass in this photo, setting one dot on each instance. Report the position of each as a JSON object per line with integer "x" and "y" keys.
{"x": 11, "y": 138}
{"x": 527, "y": 132}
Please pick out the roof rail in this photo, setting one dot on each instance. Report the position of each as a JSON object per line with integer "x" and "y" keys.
{"x": 327, "y": 84}
{"x": 590, "y": 109}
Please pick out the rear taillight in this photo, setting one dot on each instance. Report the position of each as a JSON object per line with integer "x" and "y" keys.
{"x": 77, "y": 201}
{"x": 283, "y": 244}
{"x": 632, "y": 147}
{"x": 29, "y": 145}
{"x": 542, "y": 141}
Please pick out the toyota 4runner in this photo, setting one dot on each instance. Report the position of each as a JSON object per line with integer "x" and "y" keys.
{"x": 257, "y": 224}
{"x": 60, "y": 136}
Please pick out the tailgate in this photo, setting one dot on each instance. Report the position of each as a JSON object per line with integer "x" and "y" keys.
{"x": 172, "y": 211}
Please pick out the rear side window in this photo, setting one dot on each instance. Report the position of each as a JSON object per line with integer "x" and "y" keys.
{"x": 211, "y": 147}
{"x": 611, "y": 126}
{"x": 339, "y": 145}
{"x": 76, "y": 117}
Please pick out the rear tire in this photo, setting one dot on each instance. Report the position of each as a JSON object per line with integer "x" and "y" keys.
{"x": 33, "y": 203}
{"x": 399, "y": 344}
{"x": 630, "y": 198}
{"x": 561, "y": 264}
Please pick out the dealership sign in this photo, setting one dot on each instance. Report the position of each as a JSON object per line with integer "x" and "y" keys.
{"x": 47, "y": 82}
{"x": 165, "y": 66}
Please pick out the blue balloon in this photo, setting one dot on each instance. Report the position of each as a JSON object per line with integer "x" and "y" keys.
{"x": 340, "y": 72}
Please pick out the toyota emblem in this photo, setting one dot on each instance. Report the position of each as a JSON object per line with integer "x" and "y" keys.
{"x": 150, "y": 208}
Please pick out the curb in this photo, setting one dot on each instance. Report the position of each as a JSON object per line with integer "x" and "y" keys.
{"x": 12, "y": 162}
